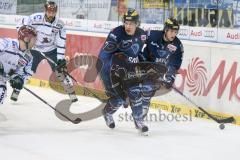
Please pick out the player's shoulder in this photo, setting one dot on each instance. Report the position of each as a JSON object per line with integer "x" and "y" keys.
{"x": 118, "y": 30}
{"x": 59, "y": 23}
{"x": 36, "y": 17}
{"x": 116, "y": 33}
{"x": 155, "y": 35}
{"x": 140, "y": 31}
{"x": 177, "y": 41}
{"x": 9, "y": 43}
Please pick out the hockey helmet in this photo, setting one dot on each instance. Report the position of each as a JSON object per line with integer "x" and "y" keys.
{"x": 50, "y": 6}
{"x": 26, "y": 32}
{"x": 131, "y": 15}
{"x": 171, "y": 23}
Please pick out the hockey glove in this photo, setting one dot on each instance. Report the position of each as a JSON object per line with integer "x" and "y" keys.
{"x": 17, "y": 82}
{"x": 61, "y": 65}
{"x": 168, "y": 81}
{"x": 169, "y": 77}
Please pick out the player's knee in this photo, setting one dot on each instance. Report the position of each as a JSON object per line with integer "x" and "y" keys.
{"x": 116, "y": 102}
{"x": 134, "y": 93}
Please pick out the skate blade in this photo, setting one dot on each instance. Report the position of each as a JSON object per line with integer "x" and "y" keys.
{"x": 144, "y": 134}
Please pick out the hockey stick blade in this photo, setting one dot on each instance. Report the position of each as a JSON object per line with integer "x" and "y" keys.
{"x": 222, "y": 120}
{"x": 226, "y": 120}
{"x": 77, "y": 121}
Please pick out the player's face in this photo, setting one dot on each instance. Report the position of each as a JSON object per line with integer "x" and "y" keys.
{"x": 170, "y": 34}
{"x": 50, "y": 15}
{"x": 27, "y": 43}
{"x": 130, "y": 27}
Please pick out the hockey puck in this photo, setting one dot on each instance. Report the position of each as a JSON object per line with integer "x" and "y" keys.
{"x": 221, "y": 126}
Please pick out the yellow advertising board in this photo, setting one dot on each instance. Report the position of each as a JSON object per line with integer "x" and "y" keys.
{"x": 155, "y": 4}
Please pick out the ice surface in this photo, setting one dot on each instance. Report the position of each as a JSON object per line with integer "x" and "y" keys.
{"x": 29, "y": 130}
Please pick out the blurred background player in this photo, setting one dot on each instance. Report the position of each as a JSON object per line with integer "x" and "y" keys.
{"x": 162, "y": 47}
{"x": 125, "y": 42}
{"x": 16, "y": 59}
{"x": 51, "y": 41}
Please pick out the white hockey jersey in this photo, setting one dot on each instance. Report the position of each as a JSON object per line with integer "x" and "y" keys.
{"x": 13, "y": 60}
{"x": 49, "y": 35}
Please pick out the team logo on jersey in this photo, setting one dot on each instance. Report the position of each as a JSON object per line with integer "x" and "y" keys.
{"x": 14, "y": 45}
{"x": 59, "y": 25}
{"x": 45, "y": 40}
{"x": 125, "y": 44}
{"x": 143, "y": 37}
{"x": 171, "y": 48}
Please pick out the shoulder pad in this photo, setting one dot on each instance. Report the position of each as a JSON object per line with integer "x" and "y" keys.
{"x": 36, "y": 17}
{"x": 155, "y": 35}
{"x": 60, "y": 23}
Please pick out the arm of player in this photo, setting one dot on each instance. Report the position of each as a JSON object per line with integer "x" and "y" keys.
{"x": 26, "y": 20}
{"x": 108, "y": 49}
{"x": 22, "y": 73}
{"x": 24, "y": 66}
{"x": 61, "y": 41}
{"x": 3, "y": 45}
{"x": 174, "y": 65}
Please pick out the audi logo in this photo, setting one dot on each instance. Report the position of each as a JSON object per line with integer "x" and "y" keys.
{"x": 183, "y": 32}
{"x": 209, "y": 34}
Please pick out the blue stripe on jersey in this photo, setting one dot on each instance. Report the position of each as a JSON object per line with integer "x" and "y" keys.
{"x": 16, "y": 54}
{"x": 41, "y": 24}
{"x": 25, "y": 72}
{"x": 60, "y": 35}
{"x": 61, "y": 47}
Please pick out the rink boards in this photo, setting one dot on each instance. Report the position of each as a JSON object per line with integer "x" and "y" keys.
{"x": 209, "y": 74}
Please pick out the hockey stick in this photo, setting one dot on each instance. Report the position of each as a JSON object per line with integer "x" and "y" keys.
{"x": 75, "y": 121}
{"x": 223, "y": 120}
{"x": 84, "y": 88}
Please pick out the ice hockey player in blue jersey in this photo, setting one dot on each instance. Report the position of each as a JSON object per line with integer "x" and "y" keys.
{"x": 162, "y": 47}
{"x": 16, "y": 59}
{"x": 124, "y": 43}
{"x": 51, "y": 41}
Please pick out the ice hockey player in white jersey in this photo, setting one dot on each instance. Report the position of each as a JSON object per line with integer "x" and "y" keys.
{"x": 51, "y": 41}
{"x": 16, "y": 59}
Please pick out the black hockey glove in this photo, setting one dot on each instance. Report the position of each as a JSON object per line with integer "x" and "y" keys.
{"x": 1, "y": 69}
{"x": 61, "y": 65}
{"x": 17, "y": 82}
{"x": 169, "y": 78}
{"x": 168, "y": 81}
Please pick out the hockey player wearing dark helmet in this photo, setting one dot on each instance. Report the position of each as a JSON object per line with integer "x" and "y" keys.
{"x": 131, "y": 21}
{"x": 171, "y": 28}
{"x": 50, "y": 9}
{"x": 122, "y": 47}
{"x": 164, "y": 48}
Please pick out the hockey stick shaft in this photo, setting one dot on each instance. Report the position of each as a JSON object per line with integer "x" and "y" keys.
{"x": 223, "y": 120}
{"x": 38, "y": 97}
{"x": 88, "y": 90}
